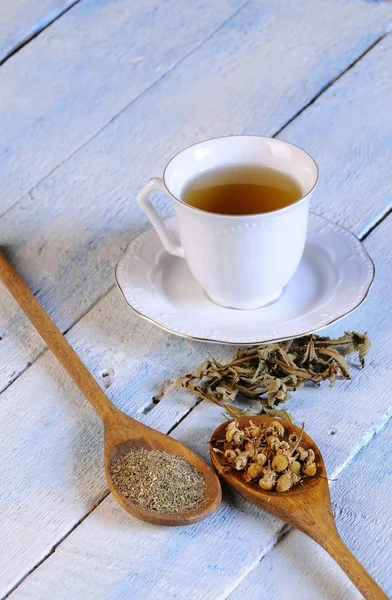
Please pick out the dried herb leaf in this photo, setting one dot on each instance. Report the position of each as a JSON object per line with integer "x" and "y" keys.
{"x": 264, "y": 375}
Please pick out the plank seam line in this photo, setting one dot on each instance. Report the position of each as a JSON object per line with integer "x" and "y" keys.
{"x": 330, "y": 83}
{"x": 286, "y": 530}
{"x": 35, "y": 33}
{"x": 376, "y": 224}
{"x": 184, "y": 416}
{"x": 135, "y": 99}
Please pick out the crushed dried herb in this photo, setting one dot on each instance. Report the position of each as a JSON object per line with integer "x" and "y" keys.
{"x": 158, "y": 481}
{"x": 269, "y": 456}
{"x": 267, "y": 374}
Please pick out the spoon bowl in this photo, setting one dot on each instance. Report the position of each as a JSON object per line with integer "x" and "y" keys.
{"x": 285, "y": 505}
{"x": 306, "y": 506}
{"x": 122, "y": 433}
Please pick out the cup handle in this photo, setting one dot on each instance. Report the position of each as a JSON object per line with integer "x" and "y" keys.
{"x": 144, "y": 202}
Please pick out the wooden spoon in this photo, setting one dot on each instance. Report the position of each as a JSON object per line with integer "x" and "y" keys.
{"x": 306, "y": 506}
{"x": 122, "y": 433}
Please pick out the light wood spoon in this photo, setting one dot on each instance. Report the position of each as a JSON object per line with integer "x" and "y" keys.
{"x": 306, "y": 506}
{"x": 122, "y": 433}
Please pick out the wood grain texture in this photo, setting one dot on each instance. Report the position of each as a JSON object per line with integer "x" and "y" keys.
{"x": 298, "y": 569}
{"x": 83, "y": 70}
{"x": 21, "y": 19}
{"x": 205, "y": 561}
{"x": 355, "y": 108}
{"x": 67, "y": 250}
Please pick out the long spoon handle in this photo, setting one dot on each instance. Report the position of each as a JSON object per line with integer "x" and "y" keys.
{"x": 369, "y": 589}
{"x": 54, "y": 339}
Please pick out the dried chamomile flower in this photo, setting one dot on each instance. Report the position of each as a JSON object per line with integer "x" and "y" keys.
{"x": 295, "y": 478}
{"x": 241, "y": 461}
{"x": 253, "y": 431}
{"x": 278, "y": 428}
{"x": 230, "y": 454}
{"x": 270, "y": 431}
{"x": 311, "y": 456}
{"x": 284, "y": 483}
{"x": 273, "y": 442}
{"x": 295, "y": 467}
{"x": 293, "y": 438}
{"x": 238, "y": 437}
{"x": 250, "y": 447}
{"x": 302, "y": 453}
{"x": 261, "y": 458}
{"x": 255, "y": 470}
{"x": 267, "y": 482}
{"x": 279, "y": 463}
{"x": 231, "y": 429}
{"x": 309, "y": 469}
{"x": 284, "y": 445}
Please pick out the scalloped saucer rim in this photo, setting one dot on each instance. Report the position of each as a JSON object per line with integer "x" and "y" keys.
{"x": 334, "y": 277}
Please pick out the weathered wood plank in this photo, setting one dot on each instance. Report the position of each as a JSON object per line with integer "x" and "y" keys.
{"x": 83, "y": 70}
{"x": 67, "y": 249}
{"x": 124, "y": 555}
{"x": 354, "y": 186}
{"x": 58, "y": 524}
{"x": 21, "y": 19}
{"x": 298, "y": 568}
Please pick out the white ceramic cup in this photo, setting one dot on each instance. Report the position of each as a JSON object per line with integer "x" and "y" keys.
{"x": 241, "y": 261}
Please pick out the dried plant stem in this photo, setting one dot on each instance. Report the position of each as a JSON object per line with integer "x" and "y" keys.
{"x": 267, "y": 374}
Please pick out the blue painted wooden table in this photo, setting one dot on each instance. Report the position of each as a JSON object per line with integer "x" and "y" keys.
{"x": 95, "y": 96}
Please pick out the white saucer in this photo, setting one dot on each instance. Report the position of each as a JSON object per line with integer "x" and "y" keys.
{"x": 333, "y": 278}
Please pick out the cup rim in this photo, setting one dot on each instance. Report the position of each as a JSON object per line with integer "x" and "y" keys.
{"x": 228, "y": 216}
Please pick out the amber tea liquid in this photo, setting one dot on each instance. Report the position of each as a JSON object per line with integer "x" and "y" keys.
{"x": 242, "y": 191}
